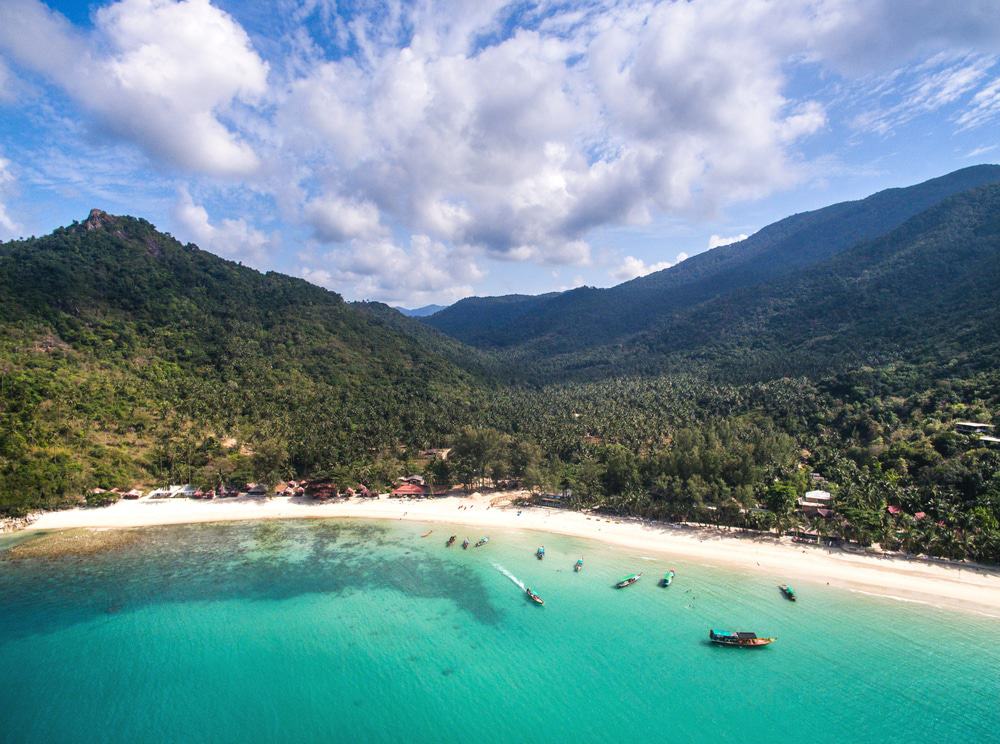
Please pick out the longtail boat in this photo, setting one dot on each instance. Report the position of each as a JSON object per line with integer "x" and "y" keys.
{"x": 481, "y": 542}
{"x": 787, "y": 591}
{"x": 578, "y": 566}
{"x": 465, "y": 544}
{"x": 668, "y": 577}
{"x": 426, "y": 534}
{"x": 451, "y": 541}
{"x": 540, "y": 553}
{"x": 738, "y": 638}
{"x": 534, "y": 597}
{"x": 628, "y": 581}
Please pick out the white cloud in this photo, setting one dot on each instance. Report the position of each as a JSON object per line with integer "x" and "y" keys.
{"x": 231, "y": 238}
{"x": 335, "y": 220}
{"x": 8, "y": 227}
{"x": 384, "y": 271}
{"x": 632, "y": 267}
{"x": 158, "y": 73}
{"x": 716, "y": 241}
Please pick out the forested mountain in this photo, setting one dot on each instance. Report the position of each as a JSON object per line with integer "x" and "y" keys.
{"x": 124, "y": 352}
{"x": 478, "y": 320}
{"x": 588, "y": 318}
{"x": 927, "y": 291}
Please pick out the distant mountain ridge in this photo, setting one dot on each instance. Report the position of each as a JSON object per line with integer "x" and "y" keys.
{"x": 565, "y": 323}
{"x": 420, "y": 312}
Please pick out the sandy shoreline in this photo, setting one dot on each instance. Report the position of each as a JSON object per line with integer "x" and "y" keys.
{"x": 950, "y": 586}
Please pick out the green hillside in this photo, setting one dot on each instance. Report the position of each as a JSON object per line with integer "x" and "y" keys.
{"x": 125, "y": 353}
{"x": 595, "y": 322}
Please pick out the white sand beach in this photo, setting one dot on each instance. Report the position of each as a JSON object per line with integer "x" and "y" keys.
{"x": 954, "y": 586}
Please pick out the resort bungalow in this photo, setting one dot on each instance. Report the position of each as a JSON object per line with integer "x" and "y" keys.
{"x": 972, "y": 427}
{"x": 988, "y": 441}
{"x": 816, "y": 503}
{"x": 187, "y": 491}
{"x": 256, "y": 489}
{"x": 135, "y": 493}
{"x": 163, "y": 492}
{"x": 322, "y": 489}
{"x": 365, "y": 492}
{"x": 409, "y": 490}
{"x": 413, "y": 480}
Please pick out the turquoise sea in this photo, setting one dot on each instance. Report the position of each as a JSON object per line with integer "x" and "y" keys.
{"x": 329, "y": 630}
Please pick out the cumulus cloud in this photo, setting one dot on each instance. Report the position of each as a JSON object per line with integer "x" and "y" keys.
{"x": 156, "y": 72}
{"x": 499, "y": 130}
{"x": 231, "y": 238}
{"x": 519, "y": 148}
{"x": 632, "y": 267}
{"x": 719, "y": 240}
{"x": 334, "y": 219}
{"x": 8, "y": 227}
{"x": 381, "y": 269}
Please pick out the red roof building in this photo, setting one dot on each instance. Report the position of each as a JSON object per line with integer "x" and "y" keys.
{"x": 409, "y": 489}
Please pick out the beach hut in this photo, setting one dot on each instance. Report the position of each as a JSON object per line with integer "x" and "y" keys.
{"x": 256, "y": 489}
{"x": 135, "y": 493}
{"x": 322, "y": 489}
{"x": 408, "y": 490}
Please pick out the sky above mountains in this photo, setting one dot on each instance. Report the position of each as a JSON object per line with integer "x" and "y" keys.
{"x": 422, "y": 152}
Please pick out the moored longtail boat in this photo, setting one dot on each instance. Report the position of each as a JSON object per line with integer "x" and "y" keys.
{"x": 465, "y": 544}
{"x": 787, "y": 590}
{"x": 578, "y": 566}
{"x": 540, "y": 553}
{"x": 426, "y": 534}
{"x": 451, "y": 541}
{"x": 740, "y": 639}
{"x": 668, "y": 577}
{"x": 628, "y": 581}
{"x": 481, "y": 542}
{"x": 534, "y": 597}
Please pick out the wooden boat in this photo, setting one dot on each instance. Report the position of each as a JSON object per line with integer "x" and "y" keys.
{"x": 628, "y": 581}
{"x": 668, "y": 577}
{"x": 427, "y": 533}
{"x": 465, "y": 544}
{"x": 540, "y": 553}
{"x": 578, "y": 566}
{"x": 534, "y": 597}
{"x": 739, "y": 639}
{"x": 451, "y": 541}
{"x": 787, "y": 591}
{"x": 481, "y": 542}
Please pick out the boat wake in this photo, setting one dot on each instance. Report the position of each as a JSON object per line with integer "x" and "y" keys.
{"x": 510, "y": 576}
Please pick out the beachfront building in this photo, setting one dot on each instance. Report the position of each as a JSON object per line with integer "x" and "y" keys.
{"x": 256, "y": 489}
{"x": 322, "y": 489}
{"x": 973, "y": 427}
{"x": 816, "y": 503}
{"x": 187, "y": 491}
{"x": 989, "y": 441}
{"x": 163, "y": 492}
{"x": 409, "y": 490}
{"x": 135, "y": 493}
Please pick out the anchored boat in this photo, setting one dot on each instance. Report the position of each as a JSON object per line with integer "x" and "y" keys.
{"x": 628, "y": 581}
{"x": 465, "y": 544}
{"x": 787, "y": 591}
{"x": 740, "y": 639}
{"x": 540, "y": 553}
{"x": 481, "y": 542}
{"x": 578, "y": 566}
{"x": 451, "y": 541}
{"x": 668, "y": 577}
{"x": 534, "y": 597}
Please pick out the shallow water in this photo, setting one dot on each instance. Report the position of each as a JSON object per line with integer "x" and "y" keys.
{"x": 362, "y": 631}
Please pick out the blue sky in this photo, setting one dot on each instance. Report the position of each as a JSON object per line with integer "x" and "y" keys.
{"x": 421, "y": 152}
